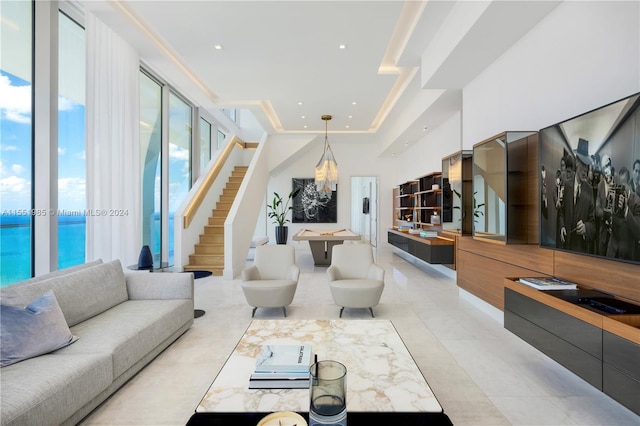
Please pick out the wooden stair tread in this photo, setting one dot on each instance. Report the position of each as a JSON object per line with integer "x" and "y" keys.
{"x": 208, "y": 253}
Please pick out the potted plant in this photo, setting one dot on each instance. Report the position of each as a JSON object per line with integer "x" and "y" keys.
{"x": 278, "y": 212}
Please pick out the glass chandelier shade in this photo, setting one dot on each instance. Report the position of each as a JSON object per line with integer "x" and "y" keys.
{"x": 326, "y": 177}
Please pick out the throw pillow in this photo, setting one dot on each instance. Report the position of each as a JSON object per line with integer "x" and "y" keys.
{"x": 37, "y": 329}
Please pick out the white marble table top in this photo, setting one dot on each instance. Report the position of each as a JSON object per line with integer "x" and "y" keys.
{"x": 381, "y": 374}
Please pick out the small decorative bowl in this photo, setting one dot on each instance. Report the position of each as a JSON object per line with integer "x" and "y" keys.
{"x": 283, "y": 418}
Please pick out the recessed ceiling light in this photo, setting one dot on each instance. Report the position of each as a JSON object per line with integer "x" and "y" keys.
{"x": 351, "y": 116}
{"x": 305, "y": 126}
{"x": 393, "y": 154}
{"x": 299, "y": 103}
{"x": 342, "y": 46}
{"x": 218, "y": 46}
{"x": 353, "y": 103}
{"x": 347, "y": 126}
{"x": 406, "y": 143}
{"x": 425, "y": 128}
{"x": 303, "y": 116}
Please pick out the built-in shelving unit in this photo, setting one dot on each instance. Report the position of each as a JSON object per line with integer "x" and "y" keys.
{"x": 404, "y": 206}
{"x": 417, "y": 201}
{"x": 429, "y": 200}
{"x": 457, "y": 193}
{"x": 504, "y": 188}
{"x": 417, "y": 204}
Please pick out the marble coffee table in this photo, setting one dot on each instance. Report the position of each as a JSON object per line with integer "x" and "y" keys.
{"x": 382, "y": 377}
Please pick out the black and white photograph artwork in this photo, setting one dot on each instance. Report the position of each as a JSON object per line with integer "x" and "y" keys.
{"x": 309, "y": 206}
{"x": 590, "y": 182}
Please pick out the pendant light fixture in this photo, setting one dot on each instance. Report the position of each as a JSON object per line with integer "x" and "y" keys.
{"x": 327, "y": 169}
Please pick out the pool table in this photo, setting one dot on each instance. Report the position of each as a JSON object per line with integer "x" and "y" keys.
{"x": 322, "y": 241}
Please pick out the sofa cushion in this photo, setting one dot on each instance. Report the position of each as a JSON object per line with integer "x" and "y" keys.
{"x": 130, "y": 330}
{"x": 81, "y": 294}
{"x": 37, "y": 329}
{"x": 47, "y": 389}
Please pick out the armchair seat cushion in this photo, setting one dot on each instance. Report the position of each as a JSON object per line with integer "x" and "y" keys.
{"x": 269, "y": 293}
{"x": 355, "y": 280}
{"x": 272, "y": 280}
{"x": 356, "y": 293}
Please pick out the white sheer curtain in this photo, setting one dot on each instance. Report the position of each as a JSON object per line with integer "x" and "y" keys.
{"x": 113, "y": 146}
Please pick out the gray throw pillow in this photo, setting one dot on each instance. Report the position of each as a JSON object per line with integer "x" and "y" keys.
{"x": 37, "y": 329}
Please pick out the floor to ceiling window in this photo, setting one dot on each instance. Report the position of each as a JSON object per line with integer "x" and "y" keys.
{"x": 180, "y": 113}
{"x": 71, "y": 143}
{"x": 151, "y": 156}
{"x": 16, "y": 225}
{"x": 166, "y": 162}
{"x": 221, "y": 138}
{"x": 205, "y": 143}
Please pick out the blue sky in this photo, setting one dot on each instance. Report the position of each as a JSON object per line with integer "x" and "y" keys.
{"x": 15, "y": 148}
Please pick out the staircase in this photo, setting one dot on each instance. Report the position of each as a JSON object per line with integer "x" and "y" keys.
{"x": 209, "y": 252}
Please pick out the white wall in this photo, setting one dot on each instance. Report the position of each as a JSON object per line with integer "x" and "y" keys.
{"x": 581, "y": 56}
{"x": 426, "y": 155}
{"x": 238, "y": 227}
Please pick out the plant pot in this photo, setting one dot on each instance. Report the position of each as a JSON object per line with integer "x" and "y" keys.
{"x": 281, "y": 234}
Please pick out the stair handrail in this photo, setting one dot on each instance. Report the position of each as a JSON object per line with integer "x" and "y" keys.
{"x": 191, "y": 210}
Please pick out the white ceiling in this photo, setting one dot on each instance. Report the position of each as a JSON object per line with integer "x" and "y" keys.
{"x": 404, "y": 62}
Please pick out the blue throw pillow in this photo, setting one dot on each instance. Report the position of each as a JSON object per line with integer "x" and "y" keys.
{"x": 37, "y": 329}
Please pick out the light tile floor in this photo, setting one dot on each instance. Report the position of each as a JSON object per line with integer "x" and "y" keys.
{"x": 481, "y": 373}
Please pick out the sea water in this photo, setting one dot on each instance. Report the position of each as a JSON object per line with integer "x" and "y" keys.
{"x": 15, "y": 246}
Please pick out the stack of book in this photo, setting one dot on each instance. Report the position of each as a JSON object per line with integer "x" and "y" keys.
{"x": 548, "y": 283}
{"x": 282, "y": 367}
{"x": 428, "y": 234}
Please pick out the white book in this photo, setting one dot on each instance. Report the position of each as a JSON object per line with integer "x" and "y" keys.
{"x": 284, "y": 358}
{"x": 548, "y": 283}
{"x": 303, "y": 375}
{"x": 279, "y": 384}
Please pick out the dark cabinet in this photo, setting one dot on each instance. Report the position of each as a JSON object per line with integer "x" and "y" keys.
{"x": 573, "y": 343}
{"x": 607, "y": 361}
{"x": 621, "y": 370}
{"x": 431, "y": 250}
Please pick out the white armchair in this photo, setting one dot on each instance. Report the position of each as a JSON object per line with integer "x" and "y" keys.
{"x": 354, "y": 279}
{"x": 272, "y": 280}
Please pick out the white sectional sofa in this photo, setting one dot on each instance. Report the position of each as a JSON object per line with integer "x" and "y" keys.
{"x": 121, "y": 321}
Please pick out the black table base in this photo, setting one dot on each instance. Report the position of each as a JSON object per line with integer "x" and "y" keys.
{"x": 353, "y": 419}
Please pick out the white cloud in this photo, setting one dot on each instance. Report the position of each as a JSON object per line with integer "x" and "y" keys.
{"x": 178, "y": 153}
{"x": 15, "y": 101}
{"x": 65, "y": 104}
{"x": 11, "y": 171}
{"x": 71, "y": 189}
{"x": 17, "y": 169}
{"x": 61, "y": 151}
{"x": 14, "y": 184}
{"x": 9, "y": 148}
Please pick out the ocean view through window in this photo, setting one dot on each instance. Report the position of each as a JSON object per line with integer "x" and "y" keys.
{"x": 16, "y": 223}
{"x": 72, "y": 199}
{"x": 17, "y": 235}
{"x": 16, "y": 71}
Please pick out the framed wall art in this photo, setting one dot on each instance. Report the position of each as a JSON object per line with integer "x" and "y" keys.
{"x": 309, "y": 206}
